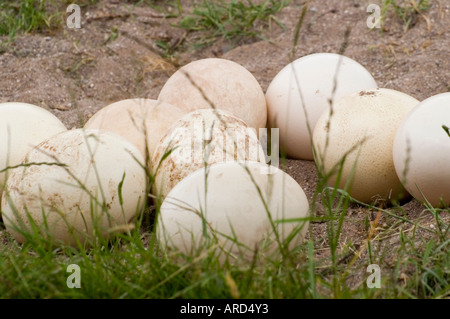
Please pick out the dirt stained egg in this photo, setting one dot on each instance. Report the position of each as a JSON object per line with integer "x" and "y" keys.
{"x": 203, "y": 137}
{"x": 23, "y": 126}
{"x": 221, "y": 84}
{"x": 422, "y": 151}
{"x": 302, "y": 91}
{"x": 226, "y": 200}
{"x": 75, "y": 185}
{"x": 142, "y": 122}
{"x": 360, "y": 131}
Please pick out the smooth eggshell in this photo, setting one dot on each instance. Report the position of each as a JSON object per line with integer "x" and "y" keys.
{"x": 422, "y": 151}
{"x": 53, "y": 197}
{"x": 23, "y": 126}
{"x": 142, "y": 122}
{"x": 224, "y": 84}
{"x": 205, "y": 135}
{"x": 302, "y": 91}
{"x": 363, "y": 126}
{"x": 233, "y": 207}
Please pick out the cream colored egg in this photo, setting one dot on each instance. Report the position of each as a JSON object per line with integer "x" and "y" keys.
{"x": 231, "y": 209}
{"x": 361, "y": 129}
{"x": 218, "y": 83}
{"x": 23, "y": 126}
{"x": 302, "y": 91}
{"x": 99, "y": 189}
{"x": 422, "y": 151}
{"x": 203, "y": 136}
{"x": 142, "y": 122}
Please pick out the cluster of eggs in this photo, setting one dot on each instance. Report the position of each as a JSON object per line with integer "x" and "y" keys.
{"x": 379, "y": 145}
{"x": 198, "y": 143}
{"x": 65, "y": 185}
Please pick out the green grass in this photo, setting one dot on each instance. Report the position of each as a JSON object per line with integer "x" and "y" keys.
{"x": 33, "y": 15}
{"x": 406, "y": 11}
{"x": 232, "y": 20}
{"x": 130, "y": 267}
{"x": 24, "y": 15}
{"x": 211, "y": 20}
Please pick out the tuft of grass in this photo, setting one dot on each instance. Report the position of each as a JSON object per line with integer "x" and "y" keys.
{"x": 24, "y": 15}
{"x": 232, "y": 20}
{"x": 407, "y": 11}
{"x": 33, "y": 15}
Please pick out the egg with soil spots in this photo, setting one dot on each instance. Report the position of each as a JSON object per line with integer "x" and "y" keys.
{"x": 202, "y": 137}
{"x": 22, "y": 127}
{"x": 302, "y": 91}
{"x": 142, "y": 122}
{"x": 75, "y": 185}
{"x": 234, "y": 203}
{"x": 422, "y": 151}
{"x": 360, "y": 133}
{"x": 217, "y": 83}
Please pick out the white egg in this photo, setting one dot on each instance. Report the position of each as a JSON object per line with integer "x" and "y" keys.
{"x": 361, "y": 129}
{"x": 142, "y": 122}
{"x": 23, "y": 126}
{"x": 302, "y": 91}
{"x": 203, "y": 136}
{"x": 99, "y": 189}
{"x": 217, "y": 83}
{"x": 422, "y": 151}
{"x": 237, "y": 204}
